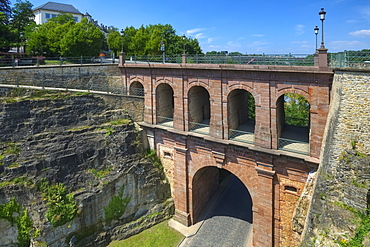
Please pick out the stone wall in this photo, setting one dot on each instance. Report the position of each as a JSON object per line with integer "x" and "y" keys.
{"x": 94, "y": 77}
{"x": 343, "y": 179}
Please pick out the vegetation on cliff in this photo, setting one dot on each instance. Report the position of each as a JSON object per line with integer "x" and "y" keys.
{"x": 71, "y": 163}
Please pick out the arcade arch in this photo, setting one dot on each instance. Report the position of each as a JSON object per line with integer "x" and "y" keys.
{"x": 199, "y": 110}
{"x": 164, "y": 104}
{"x": 293, "y": 123}
{"x": 241, "y": 115}
{"x": 136, "y": 89}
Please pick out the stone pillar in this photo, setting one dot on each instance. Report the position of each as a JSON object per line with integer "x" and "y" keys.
{"x": 316, "y": 59}
{"x": 263, "y": 207}
{"x": 262, "y": 130}
{"x": 122, "y": 57}
{"x": 323, "y": 57}
{"x": 183, "y": 58}
{"x": 181, "y": 188}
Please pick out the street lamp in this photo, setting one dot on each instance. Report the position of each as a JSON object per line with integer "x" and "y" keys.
{"x": 322, "y": 14}
{"x": 316, "y": 29}
{"x": 183, "y": 42}
{"x": 122, "y": 32}
{"x": 163, "y": 50}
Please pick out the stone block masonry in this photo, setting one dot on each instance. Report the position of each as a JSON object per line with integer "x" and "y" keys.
{"x": 344, "y": 176}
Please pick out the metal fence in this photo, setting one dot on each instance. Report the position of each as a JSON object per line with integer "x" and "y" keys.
{"x": 199, "y": 128}
{"x": 345, "y": 59}
{"x": 294, "y": 146}
{"x": 165, "y": 121}
{"x": 350, "y": 59}
{"x": 40, "y": 61}
{"x": 241, "y": 136}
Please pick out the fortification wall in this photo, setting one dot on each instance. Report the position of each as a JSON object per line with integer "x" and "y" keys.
{"x": 343, "y": 179}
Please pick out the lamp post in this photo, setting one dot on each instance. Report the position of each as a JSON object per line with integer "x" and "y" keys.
{"x": 183, "y": 42}
{"x": 122, "y": 32}
{"x": 316, "y": 29}
{"x": 322, "y": 14}
{"x": 162, "y": 49}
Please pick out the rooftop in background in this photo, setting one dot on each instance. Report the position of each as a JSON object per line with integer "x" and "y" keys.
{"x": 58, "y": 7}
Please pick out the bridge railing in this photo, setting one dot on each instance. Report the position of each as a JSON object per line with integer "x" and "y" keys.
{"x": 199, "y": 128}
{"x": 350, "y": 59}
{"x": 165, "y": 121}
{"x": 40, "y": 61}
{"x": 294, "y": 146}
{"x": 241, "y": 136}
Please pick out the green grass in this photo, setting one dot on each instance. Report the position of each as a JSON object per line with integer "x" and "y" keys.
{"x": 160, "y": 235}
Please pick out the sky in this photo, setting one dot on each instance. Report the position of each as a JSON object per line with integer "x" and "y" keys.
{"x": 246, "y": 26}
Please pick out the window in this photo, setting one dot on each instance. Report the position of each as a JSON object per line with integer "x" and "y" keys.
{"x": 53, "y": 15}
{"x": 76, "y": 19}
{"x": 47, "y": 15}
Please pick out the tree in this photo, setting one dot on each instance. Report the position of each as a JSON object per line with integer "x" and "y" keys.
{"x": 5, "y": 34}
{"x": 21, "y": 22}
{"x": 114, "y": 41}
{"x": 6, "y": 10}
{"x": 82, "y": 39}
{"x": 62, "y": 36}
{"x": 297, "y": 110}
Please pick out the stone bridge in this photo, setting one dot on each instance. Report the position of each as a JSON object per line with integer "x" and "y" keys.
{"x": 196, "y": 117}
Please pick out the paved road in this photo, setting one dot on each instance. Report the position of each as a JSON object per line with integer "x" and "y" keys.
{"x": 229, "y": 223}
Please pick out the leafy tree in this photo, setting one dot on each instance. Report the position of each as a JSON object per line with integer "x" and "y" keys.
{"x": 5, "y": 33}
{"x": 147, "y": 41}
{"x": 82, "y": 39}
{"x": 297, "y": 110}
{"x": 6, "y": 10}
{"x": 22, "y": 21}
{"x": 114, "y": 41}
{"x": 62, "y": 36}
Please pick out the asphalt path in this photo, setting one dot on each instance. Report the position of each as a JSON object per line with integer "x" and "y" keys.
{"x": 228, "y": 224}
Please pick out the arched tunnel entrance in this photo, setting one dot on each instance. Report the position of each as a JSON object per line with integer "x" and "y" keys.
{"x": 225, "y": 204}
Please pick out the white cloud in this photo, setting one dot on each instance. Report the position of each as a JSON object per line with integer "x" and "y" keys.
{"x": 299, "y": 29}
{"x": 341, "y": 45}
{"x": 361, "y": 33}
{"x": 258, "y": 35}
{"x": 195, "y": 30}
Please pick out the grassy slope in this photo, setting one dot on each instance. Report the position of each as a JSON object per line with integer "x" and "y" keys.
{"x": 160, "y": 235}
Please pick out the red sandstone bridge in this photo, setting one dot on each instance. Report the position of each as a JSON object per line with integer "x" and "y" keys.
{"x": 196, "y": 117}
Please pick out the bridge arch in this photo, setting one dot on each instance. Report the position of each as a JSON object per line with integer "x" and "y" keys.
{"x": 204, "y": 184}
{"x": 164, "y": 104}
{"x": 293, "y": 122}
{"x": 199, "y": 109}
{"x": 241, "y": 115}
{"x": 136, "y": 88}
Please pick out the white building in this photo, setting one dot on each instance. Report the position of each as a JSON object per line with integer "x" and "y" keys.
{"x": 52, "y": 9}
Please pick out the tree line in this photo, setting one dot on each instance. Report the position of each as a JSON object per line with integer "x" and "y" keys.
{"x": 62, "y": 36}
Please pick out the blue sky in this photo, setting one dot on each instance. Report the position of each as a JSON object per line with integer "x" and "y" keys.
{"x": 264, "y": 26}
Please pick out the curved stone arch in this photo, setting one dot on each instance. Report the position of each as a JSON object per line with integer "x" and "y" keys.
{"x": 198, "y": 83}
{"x": 165, "y": 81}
{"x": 195, "y": 180}
{"x": 301, "y": 92}
{"x": 231, "y": 167}
{"x": 253, "y": 92}
{"x": 136, "y": 79}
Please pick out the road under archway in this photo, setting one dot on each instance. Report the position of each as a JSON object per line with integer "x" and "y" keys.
{"x": 228, "y": 220}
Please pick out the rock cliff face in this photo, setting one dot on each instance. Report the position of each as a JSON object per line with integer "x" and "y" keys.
{"x": 56, "y": 146}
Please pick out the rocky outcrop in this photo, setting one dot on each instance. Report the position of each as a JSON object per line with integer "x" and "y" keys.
{"x": 82, "y": 144}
